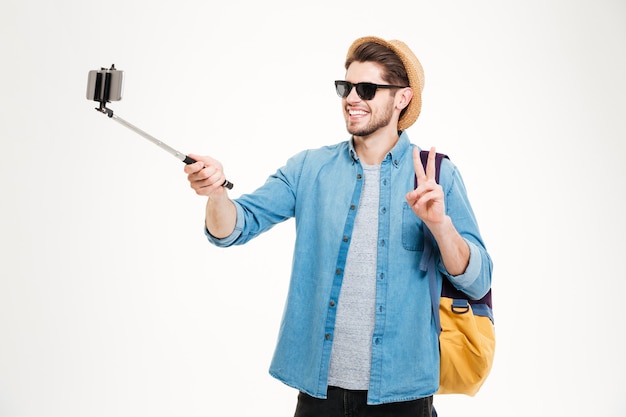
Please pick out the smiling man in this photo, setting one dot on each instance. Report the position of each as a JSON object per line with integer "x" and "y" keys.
{"x": 357, "y": 336}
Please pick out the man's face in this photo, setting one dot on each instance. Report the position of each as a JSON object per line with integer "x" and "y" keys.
{"x": 365, "y": 117}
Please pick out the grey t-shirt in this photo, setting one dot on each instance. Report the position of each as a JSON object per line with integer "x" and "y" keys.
{"x": 351, "y": 353}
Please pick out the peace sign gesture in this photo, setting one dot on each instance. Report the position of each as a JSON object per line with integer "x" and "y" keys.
{"x": 427, "y": 200}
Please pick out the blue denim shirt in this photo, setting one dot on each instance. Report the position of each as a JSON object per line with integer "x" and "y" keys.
{"x": 321, "y": 189}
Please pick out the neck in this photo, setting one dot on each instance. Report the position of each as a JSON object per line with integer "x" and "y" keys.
{"x": 372, "y": 149}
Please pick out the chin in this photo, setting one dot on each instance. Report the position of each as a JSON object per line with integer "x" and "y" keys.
{"x": 356, "y": 130}
{"x": 360, "y": 132}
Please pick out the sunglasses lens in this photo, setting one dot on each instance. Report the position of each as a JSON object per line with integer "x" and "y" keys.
{"x": 366, "y": 91}
{"x": 343, "y": 88}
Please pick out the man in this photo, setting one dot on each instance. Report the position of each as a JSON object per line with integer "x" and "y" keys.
{"x": 358, "y": 336}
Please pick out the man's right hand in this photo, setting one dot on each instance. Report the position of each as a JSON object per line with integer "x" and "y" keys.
{"x": 206, "y": 176}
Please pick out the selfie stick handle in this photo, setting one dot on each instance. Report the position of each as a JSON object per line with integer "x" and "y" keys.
{"x": 178, "y": 155}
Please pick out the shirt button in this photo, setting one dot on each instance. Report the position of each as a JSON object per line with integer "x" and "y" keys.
{"x": 332, "y": 303}
{"x": 384, "y": 182}
{"x": 352, "y": 207}
{"x": 327, "y": 336}
{"x": 338, "y": 271}
{"x": 359, "y": 176}
{"x": 382, "y": 242}
{"x": 383, "y": 210}
{"x": 345, "y": 238}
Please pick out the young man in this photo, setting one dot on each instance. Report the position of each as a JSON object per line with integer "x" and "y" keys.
{"x": 358, "y": 336}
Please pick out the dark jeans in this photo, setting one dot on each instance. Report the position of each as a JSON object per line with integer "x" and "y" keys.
{"x": 347, "y": 403}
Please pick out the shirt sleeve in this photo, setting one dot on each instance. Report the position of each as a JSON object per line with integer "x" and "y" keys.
{"x": 270, "y": 204}
{"x": 476, "y": 280}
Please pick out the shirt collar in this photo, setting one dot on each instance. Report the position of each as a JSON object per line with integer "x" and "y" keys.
{"x": 395, "y": 154}
{"x": 400, "y": 149}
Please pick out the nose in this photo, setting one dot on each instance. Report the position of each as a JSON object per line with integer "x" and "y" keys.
{"x": 353, "y": 97}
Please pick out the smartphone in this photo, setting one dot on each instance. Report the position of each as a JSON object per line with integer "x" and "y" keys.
{"x": 105, "y": 85}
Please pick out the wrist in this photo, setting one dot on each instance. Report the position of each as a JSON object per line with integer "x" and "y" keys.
{"x": 440, "y": 228}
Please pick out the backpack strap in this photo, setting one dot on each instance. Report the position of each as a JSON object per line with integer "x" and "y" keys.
{"x": 431, "y": 268}
{"x": 428, "y": 258}
{"x": 438, "y": 158}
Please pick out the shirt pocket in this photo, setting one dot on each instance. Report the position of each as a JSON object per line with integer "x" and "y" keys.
{"x": 412, "y": 232}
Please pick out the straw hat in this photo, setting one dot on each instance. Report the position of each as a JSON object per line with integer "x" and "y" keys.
{"x": 414, "y": 71}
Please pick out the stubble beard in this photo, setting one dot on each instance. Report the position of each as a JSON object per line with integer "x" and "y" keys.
{"x": 378, "y": 121}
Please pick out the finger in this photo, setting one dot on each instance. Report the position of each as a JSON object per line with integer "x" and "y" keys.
{"x": 196, "y": 166}
{"x": 432, "y": 194}
{"x": 411, "y": 197}
{"x": 202, "y": 161}
{"x": 215, "y": 177}
{"x": 198, "y": 173}
{"x": 417, "y": 194}
{"x": 430, "y": 165}
{"x": 417, "y": 163}
{"x": 198, "y": 158}
{"x": 207, "y": 184}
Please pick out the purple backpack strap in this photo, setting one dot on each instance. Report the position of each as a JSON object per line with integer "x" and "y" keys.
{"x": 428, "y": 238}
{"x": 428, "y": 257}
{"x": 461, "y": 301}
{"x": 438, "y": 158}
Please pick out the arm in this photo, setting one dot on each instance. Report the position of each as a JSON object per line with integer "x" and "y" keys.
{"x": 464, "y": 258}
{"x": 427, "y": 202}
{"x": 235, "y": 222}
{"x": 206, "y": 177}
{"x": 455, "y": 253}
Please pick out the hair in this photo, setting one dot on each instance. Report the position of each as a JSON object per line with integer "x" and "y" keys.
{"x": 393, "y": 69}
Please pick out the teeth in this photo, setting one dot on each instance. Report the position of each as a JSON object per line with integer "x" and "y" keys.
{"x": 356, "y": 112}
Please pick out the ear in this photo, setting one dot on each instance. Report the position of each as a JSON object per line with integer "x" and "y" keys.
{"x": 403, "y": 98}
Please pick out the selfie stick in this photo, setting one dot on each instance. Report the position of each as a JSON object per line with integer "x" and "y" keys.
{"x": 99, "y": 89}
{"x": 186, "y": 159}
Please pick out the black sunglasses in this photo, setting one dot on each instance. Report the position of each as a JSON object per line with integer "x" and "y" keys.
{"x": 366, "y": 91}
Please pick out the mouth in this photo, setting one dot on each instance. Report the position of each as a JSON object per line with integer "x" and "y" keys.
{"x": 357, "y": 113}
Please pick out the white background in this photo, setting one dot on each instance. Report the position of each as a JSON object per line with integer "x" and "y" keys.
{"x": 113, "y": 304}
